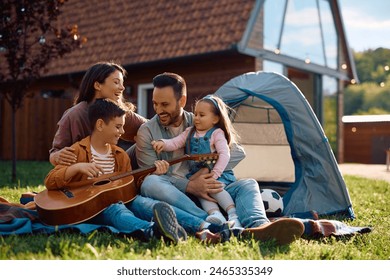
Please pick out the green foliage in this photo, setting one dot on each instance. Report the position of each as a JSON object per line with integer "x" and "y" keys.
{"x": 370, "y": 200}
{"x": 372, "y": 95}
{"x": 367, "y": 98}
{"x": 30, "y": 38}
{"x": 370, "y": 65}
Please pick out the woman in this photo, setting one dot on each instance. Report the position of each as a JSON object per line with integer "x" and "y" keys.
{"x": 102, "y": 80}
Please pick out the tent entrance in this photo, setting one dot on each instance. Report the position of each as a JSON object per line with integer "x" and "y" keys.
{"x": 264, "y": 139}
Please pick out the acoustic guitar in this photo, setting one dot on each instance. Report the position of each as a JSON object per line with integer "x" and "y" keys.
{"x": 80, "y": 201}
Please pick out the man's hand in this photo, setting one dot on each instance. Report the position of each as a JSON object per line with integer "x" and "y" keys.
{"x": 204, "y": 185}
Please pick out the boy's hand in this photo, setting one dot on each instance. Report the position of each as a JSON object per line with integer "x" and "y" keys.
{"x": 90, "y": 169}
{"x": 158, "y": 146}
{"x": 161, "y": 167}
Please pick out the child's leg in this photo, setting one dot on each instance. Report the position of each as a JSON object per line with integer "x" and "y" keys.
{"x": 214, "y": 215}
{"x": 225, "y": 200}
{"x": 118, "y": 216}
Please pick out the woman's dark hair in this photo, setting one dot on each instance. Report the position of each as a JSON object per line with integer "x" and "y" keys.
{"x": 173, "y": 80}
{"x": 96, "y": 73}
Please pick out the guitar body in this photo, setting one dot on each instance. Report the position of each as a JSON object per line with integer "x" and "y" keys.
{"x": 80, "y": 201}
{"x": 75, "y": 205}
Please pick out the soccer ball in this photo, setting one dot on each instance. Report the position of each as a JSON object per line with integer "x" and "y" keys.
{"x": 273, "y": 202}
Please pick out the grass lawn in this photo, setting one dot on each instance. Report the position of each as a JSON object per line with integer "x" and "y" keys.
{"x": 370, "y": 200}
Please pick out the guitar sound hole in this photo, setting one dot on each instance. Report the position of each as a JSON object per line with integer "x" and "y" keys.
{"x": 102, "y": 182}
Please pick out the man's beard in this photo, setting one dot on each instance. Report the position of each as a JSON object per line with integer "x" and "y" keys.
{"x": 173, "y": 119}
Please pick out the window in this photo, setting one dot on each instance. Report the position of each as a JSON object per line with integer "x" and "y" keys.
{"x": 144, "y": 100}
{"x": 302, "y": 29}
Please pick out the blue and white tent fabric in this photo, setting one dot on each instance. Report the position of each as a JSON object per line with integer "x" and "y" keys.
{"x": 286, "y": 147}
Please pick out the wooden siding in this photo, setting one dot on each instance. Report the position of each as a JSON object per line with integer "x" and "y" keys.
{"x": 36, "y": 122}
{"x": 366, "y": 142}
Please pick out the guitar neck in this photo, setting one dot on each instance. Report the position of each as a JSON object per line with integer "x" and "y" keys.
{"x": 141, "y": 172}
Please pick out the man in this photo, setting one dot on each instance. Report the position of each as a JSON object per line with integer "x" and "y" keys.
{"x": 169, "y": 99}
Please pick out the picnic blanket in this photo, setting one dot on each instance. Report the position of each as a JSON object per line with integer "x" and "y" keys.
{"x": 22, "y": 218}
{"x": 19, "y": 218}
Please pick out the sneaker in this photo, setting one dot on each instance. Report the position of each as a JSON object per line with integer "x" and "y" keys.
{"x": 283, "y": 231}
{"x": 165, "y": 219}
{"x": 216, "y": 218}
{"x": 181, "y": 232}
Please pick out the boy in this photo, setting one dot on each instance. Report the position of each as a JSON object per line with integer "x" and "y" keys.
{"x": 98, "y": 154}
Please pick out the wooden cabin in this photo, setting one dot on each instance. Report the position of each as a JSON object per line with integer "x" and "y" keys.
{"x": 366, "y": 138}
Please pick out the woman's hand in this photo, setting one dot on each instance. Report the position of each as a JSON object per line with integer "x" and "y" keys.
{"x": 65, "y": 156}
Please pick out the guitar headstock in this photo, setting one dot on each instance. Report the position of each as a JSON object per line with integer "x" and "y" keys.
{"x": 204, "y": 157}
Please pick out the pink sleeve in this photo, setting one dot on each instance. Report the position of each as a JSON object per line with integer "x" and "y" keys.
{"x": 177, "y": 142}
{"x": 221, "y": 146}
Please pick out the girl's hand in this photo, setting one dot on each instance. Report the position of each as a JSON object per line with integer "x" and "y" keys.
{"x": 158, "y": 146}
{"x": 161, "y": 167}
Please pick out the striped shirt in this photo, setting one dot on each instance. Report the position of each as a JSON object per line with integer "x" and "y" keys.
{"x": 105, "y": 161}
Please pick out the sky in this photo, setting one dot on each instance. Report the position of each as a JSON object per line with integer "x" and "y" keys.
{"x": 367, "y": 23}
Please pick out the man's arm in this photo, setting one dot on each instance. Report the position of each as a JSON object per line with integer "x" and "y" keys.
{"x": 146, "y": 156}
{"x": 237, "y": 154}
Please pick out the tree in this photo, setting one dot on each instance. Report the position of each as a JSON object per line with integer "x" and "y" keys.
{"x": 373, "y": 65}
{"x": 371, "y": 96}
{"x": 29, "y": 39}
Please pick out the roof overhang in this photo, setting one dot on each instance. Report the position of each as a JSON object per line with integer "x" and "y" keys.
{"x": 295, "y": 62}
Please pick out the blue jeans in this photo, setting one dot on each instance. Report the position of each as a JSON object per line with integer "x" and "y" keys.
{"x": 142, "y": 207}
{"x": 249, "y": 204}
{"x": 160, "y": 187}
{"x": 245, "y": 194}
{"x": 120, "y": 217}
{"x": 138, "y": 214}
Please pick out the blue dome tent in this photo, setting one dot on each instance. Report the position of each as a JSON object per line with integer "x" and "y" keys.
{"x": 286, "y": 147}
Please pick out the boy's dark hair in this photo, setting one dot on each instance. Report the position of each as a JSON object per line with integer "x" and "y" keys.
{"x": 104, "y": 109}
{"x": 173, "y": 80}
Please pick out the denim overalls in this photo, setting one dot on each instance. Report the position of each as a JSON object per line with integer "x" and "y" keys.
{"x": 202, "y": 145}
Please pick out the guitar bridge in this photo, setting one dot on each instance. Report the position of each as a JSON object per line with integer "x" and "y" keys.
{"x": 67, "y": 192}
